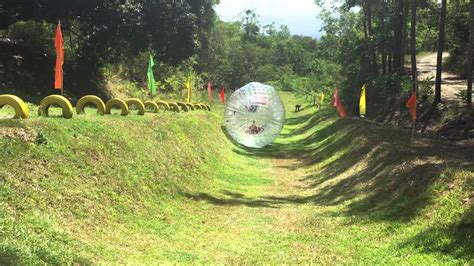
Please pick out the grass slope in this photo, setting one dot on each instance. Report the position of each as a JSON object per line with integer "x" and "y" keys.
{"x": 171, "y": 188}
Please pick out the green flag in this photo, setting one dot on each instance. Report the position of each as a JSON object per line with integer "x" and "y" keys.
{"x": 151, "y": 77}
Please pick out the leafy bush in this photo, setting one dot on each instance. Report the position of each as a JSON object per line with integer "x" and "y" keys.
{"x": 425, "y": 88}
{"x": 37, "y": 36}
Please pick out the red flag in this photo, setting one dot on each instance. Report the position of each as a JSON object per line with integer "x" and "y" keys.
{"x": 411, "y": 104}
{"x": 58, "y": 43}
{"x": 209, "y": 91}
{"x": 222, "y": 95}
{"x": 338, "y": 105}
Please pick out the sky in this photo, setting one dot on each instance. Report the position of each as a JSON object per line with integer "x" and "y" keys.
{"x": 298, "y": 15}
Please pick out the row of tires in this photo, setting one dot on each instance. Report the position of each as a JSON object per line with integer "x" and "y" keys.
{"x": 21, "y": 109}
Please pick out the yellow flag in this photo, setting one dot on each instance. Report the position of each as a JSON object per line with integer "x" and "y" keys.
{"x": 322, "y": 97}
{"x": 188, "y": 86}
{"x": 362, "y": 107}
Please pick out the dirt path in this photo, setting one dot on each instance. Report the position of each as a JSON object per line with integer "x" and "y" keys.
{"x": 451, "y": 83}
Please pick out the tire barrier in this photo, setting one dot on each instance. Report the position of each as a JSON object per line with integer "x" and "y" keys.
{"x": 190, "y": 106}
{"x": 90, "y": 99}
{"x": 21, "y": 109}
{"x": 183, "y": 106}
{"x": 174, "y": 107}
{"x": 151, "y": 107}
{"x": 137, "y": 103}
{"x": 58, "y": 100}
{"x": 163, "y": 104}
{"x": 116, "y": 103}
{"x": 18, "y": 105}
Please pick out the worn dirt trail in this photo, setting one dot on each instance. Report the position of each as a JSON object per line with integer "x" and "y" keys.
{"x": 451, "y": 83}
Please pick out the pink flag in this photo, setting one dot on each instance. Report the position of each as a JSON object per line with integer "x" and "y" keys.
{"x": 209, "y": 91}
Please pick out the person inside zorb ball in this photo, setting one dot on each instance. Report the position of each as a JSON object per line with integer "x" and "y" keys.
{"x": 254, "y": 115}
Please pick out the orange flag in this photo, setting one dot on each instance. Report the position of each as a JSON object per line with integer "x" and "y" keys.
{"x": 411, "y": 104}
{"x": 58, "y": 43}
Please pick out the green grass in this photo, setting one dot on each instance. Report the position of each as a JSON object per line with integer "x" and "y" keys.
{"x": 171, "y": 188}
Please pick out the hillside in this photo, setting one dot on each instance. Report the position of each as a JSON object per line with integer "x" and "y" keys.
{"x": 172, "y": 188}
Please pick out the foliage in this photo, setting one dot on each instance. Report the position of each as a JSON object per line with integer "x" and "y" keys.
{"x": 425, "y": 88}
{"x": 245, "y": 51}
{"x": 108, "y": 42}
{"x": 102, "y": 32}
{"x": 427, "y": 26}
{"x": 458, "y": 36}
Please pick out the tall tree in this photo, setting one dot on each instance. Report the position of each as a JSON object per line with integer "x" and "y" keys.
{"x": 398, "y": 36}
{"x": 439, "y": 61}
{"x": 406, "y": 9}
{"x": 370, "y": 33}
{"x": 469, "y": 63}
{"x": 413, "y": 43}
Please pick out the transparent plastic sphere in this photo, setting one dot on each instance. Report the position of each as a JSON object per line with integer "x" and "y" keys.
{"x": 254, "y": 115}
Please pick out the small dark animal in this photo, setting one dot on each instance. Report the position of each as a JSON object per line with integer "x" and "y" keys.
{"x": 297, "y": 108}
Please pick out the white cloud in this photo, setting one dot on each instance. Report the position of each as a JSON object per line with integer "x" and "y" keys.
{"x": 299, "y": 15}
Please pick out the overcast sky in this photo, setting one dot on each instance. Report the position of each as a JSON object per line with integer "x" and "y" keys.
{"x": 298, "y": 15}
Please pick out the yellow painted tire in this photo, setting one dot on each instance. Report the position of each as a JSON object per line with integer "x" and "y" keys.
{"x": 208, "y": 107}
{"x": 174, "y": 107}
{"x": 197, "y": 106}
{"x": 190, "y": 106}
{"x": 163, "y": 104}
{"x": 58, "y": 100}
{"x": 90, "y": 99}
{"x": 21, "y": 109}
{"x": 204, "y": 107}
{"x": 116, "y": 103}
{"x": 138, "y": 103}
{"x": 151, "y": 105}
{"x": 183, "y": 106}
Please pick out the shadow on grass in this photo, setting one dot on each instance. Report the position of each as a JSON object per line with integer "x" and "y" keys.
{"x": 230, "y": 199}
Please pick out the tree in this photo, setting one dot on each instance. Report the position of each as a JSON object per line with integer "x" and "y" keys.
{"x": 413, "y": 44}
{"x": 469, "y": 64}
{"x": 373, "y": 55}
{"x": 439, "y": 61}
{"x": 110, "y": 30}
{"x": 250, "y": 26}
{"x": 398, "y": 37}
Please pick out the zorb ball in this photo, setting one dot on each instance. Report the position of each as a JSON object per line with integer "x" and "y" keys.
{"x": 254, "y": 115}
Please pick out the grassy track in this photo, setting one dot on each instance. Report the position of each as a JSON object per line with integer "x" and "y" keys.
{"x": 171, "y": 188}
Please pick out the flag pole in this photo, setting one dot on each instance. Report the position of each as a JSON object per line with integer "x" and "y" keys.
{"x": 414, "y": 122}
